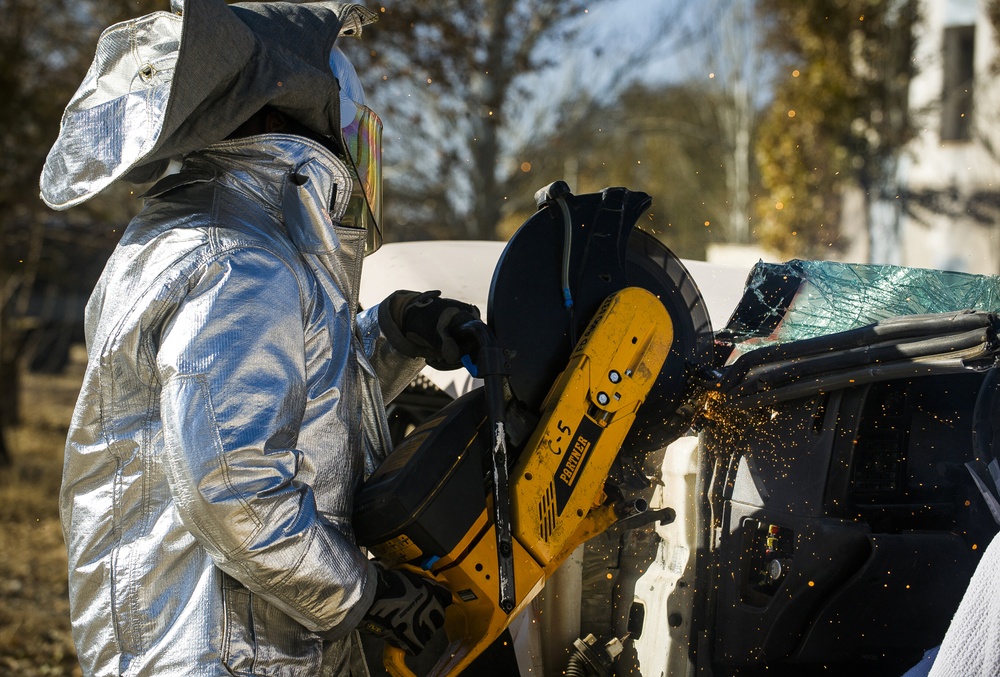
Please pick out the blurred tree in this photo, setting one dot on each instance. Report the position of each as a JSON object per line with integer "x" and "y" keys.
{"x": 839, "y": 118}
{"x": 665, "y": 141}
{"x": 463, "y": 90}
{"x": 736, "y": 63}
{"x": 45, "y": 49}
{"x": 986, "y": 118}
{"x": 993, "y": 15}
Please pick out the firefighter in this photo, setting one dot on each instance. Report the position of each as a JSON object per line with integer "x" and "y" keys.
{"x": 234, "y": 394}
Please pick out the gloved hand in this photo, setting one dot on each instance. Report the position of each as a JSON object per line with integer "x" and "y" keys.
{"x": 419, "y": 324}
{"x": 408, "y": 609}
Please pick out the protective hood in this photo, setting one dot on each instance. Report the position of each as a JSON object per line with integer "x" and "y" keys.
{"x": 168, "y": 83}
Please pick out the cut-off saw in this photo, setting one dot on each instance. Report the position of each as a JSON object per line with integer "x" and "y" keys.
{"x": 594, "y": 332}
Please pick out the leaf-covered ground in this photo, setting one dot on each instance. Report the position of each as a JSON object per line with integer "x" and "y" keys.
{"x": 34, "y": 610}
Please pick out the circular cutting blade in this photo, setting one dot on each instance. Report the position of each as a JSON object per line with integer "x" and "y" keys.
{"x": 538, "y": 332}
{"x": 664, "y": 417}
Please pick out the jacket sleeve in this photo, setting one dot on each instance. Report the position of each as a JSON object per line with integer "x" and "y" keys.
{"x": 394, "y": 369}
{"x": 231, "y": 360}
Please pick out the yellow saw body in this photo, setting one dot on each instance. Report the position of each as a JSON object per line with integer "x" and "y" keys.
{"x": 556, "y": 485}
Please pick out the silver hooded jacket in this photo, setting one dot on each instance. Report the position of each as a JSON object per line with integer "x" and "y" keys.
{"x": 233, "y": 402}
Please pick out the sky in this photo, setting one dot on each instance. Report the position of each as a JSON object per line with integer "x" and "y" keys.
{"x": 622, "y": 42}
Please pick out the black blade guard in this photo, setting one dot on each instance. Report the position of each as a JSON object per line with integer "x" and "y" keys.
{"x": 529, "y": 316}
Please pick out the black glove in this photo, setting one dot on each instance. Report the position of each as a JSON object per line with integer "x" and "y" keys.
{"x": 408, "y": 609}
{"x": 419, "y": 324}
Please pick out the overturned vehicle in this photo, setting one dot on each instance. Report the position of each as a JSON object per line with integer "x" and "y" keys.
{"x": 806, "y": 490}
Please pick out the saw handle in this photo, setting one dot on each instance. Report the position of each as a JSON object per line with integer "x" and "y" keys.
{"x": 480, "y": 353}
{"x": 490, "y": 367}
{"x": 394, "y": 660}
{"x": 461, "y": 641}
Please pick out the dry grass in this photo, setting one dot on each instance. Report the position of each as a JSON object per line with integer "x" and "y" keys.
{"x": 34, "y": 609}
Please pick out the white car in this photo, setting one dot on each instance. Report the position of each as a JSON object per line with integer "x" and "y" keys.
{"x": 821, "y": 518}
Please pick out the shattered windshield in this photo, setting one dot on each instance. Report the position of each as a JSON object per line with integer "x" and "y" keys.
{"x": 784, "y": 302}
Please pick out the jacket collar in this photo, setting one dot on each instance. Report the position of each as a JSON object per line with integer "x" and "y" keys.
{"x": 299, "y": 180}
{"x": 295, "y": 177}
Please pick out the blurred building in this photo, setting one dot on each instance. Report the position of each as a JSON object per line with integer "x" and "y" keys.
{"x": 950, "y": 174}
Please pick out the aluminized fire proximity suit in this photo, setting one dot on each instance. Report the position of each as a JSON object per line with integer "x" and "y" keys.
{"x": 229, "y": 411}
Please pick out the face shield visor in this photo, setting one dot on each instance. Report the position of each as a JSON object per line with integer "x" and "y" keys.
{"x": 362, "y": 138}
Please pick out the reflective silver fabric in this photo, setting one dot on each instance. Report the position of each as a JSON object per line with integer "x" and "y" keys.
{"x": 163, "y": 85}
{"x": 232, "y": 403}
